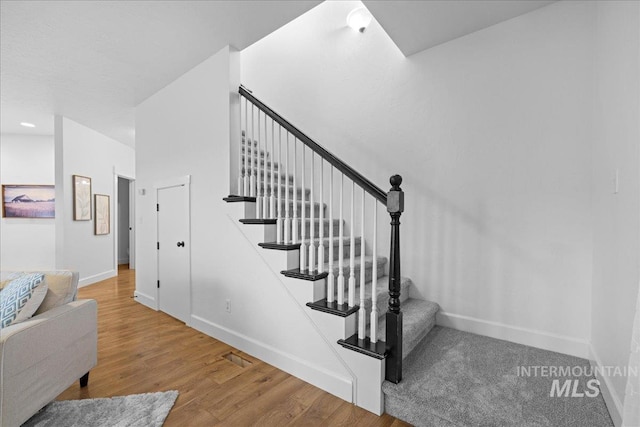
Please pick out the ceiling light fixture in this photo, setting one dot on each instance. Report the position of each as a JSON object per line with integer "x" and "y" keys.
{"x": 27, "y": 125}
{"x": 359, "y": 19}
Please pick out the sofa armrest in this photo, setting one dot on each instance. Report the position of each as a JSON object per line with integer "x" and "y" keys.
{"x": 41, "y": 357}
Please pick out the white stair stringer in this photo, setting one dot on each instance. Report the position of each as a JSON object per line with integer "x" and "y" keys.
{"x": 332, "y": 382}
{"x": 367, "y": 373}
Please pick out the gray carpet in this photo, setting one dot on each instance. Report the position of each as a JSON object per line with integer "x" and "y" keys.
{"x": 454, "y": 378}
{"x": 137, "y": 410}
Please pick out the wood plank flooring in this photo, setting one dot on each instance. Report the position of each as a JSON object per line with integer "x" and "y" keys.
{"x": 142, "y": 351}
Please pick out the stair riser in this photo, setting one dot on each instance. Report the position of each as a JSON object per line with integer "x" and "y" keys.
{"x": 316, "y": 228}
{"x": 336, "y": 252}
{"x": 316, "y": 210}
{"x": 367, "y": 273}
{"x": 277, "y": 176}
{"x": 255, "y": 163}
{"x": 382, "y": 302}
{"x": 298, "y": 191}
{"x": 307, "y": 213}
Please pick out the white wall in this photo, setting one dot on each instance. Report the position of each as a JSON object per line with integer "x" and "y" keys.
{"x": 27, "y": 243}
{"x": 184, "y": 130}
{"x": 83, "y": 151}
{"x": 616, "y": 217}
{"x": 123, "y": 222}
{"x": 492, "y": 134}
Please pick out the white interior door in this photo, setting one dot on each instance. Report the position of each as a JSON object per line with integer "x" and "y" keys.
{"x": 174, "y": 252}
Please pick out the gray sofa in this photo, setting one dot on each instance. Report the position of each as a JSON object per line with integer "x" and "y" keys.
{"x": 43, "y": 356}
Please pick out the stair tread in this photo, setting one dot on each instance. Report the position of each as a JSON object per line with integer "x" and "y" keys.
{"x": 284, "y": 187}
{"x": 368, "y": 262}
{"x": 276, "y": 174}
{"x": 418, "y": 318}
{"x": 325, "y": 240}
{"x": 324, "y": 220}
{"x": 382, "y": 288}
{"x": 336, "y": 240}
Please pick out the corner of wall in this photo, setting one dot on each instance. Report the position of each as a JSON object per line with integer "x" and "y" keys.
{"x": 611, "y": 398}
{"x": 58, "y": 126}
{"x": 234, "y": 118}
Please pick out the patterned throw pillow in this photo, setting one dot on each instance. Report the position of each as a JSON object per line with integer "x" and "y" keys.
{"x": 21, "y": 298}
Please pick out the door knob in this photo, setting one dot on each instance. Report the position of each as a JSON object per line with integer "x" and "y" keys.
{"x": 181, "y": 244}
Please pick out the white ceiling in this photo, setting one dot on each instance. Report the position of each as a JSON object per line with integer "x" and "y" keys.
{"x": 418, "y": 25}
{"x": 94, "y": 61}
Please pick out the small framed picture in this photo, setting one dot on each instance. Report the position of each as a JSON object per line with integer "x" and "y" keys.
{"x": 103, "y": 215}
{"x": 81, "y": 198}
{"x": 28, "y": 201}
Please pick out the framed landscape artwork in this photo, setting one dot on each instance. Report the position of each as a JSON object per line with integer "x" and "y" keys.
{"x": 103, "y": 217}
{"x": 28, "y": 201}
{"x": 81, "y": 198}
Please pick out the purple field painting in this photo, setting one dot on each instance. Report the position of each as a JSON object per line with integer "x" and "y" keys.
{"x": 28, "y": 201}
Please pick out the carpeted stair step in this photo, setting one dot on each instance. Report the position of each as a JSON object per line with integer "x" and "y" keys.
{"x": 418, "y": 318}
{"x": 283, "y": 189}
{"x": 255, "y": 163}
{"x": 316, "y": 226}
{"x": 368, "y": 262}
{"x": 277, "y": 177}
{"x": 307, "y": 205}
{"x": 346, "y": 241}
{"x": 382, "y": 294}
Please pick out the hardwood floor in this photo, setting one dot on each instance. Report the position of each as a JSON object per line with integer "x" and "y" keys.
{"x": 141, "y": 351}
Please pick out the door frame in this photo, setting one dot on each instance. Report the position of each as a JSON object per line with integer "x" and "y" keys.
{"x": 181, "y": 181}
{"x": 116, "y": 218}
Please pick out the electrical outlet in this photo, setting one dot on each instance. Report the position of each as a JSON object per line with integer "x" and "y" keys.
{"x": 228, "y": 306}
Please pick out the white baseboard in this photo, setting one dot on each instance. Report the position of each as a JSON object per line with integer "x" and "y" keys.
{"x": 328, "y": 381}
{"x": 539, "y": 339}
{"x": 86, "y": 281}
{"x": 611, "y": 398}
{"x": 145, "y": 299}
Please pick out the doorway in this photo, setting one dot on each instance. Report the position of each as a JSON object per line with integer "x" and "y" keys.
{"x": 125, "y": 222}
{"x": 174, "y": 250}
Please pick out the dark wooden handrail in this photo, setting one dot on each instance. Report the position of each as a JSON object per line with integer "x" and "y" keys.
{"x": 347, "y": 170}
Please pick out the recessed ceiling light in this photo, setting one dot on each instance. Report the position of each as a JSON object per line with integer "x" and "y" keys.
{"x": 27, "y": 125}
{"x": 359, "y": 19}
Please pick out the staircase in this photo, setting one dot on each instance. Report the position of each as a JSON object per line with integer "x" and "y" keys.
{"x": 321, "y": 233}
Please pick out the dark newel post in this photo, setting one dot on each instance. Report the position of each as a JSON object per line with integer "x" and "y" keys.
{"x": 395, "y": 207}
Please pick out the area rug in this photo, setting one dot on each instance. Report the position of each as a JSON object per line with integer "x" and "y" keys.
{"x": 136, "y": 410}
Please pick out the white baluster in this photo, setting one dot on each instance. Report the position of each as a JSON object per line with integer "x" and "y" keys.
{"x": 296, "y": 232}
{"x": 240, "y": 149}
{"x": 341, "y": 246}
{"x": 374, "y": 278}
{"x": 272, "y": 200}
{"x": 246, "y": 191}
{"x": 330, "y": 278}
{"x": 321, "y": 220}
{"x": 312, "y": 216}
{"x": 303, "y": 231}
{"x": 287, "y": 213}
{"x": 258, "y": 160}
{"x": 352, "y": 254}
{"x": 265, "y": 158}
{"x": 252, "y": 176}
{"x": 362, "y": 313}
{"x": 280, "y": 222}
